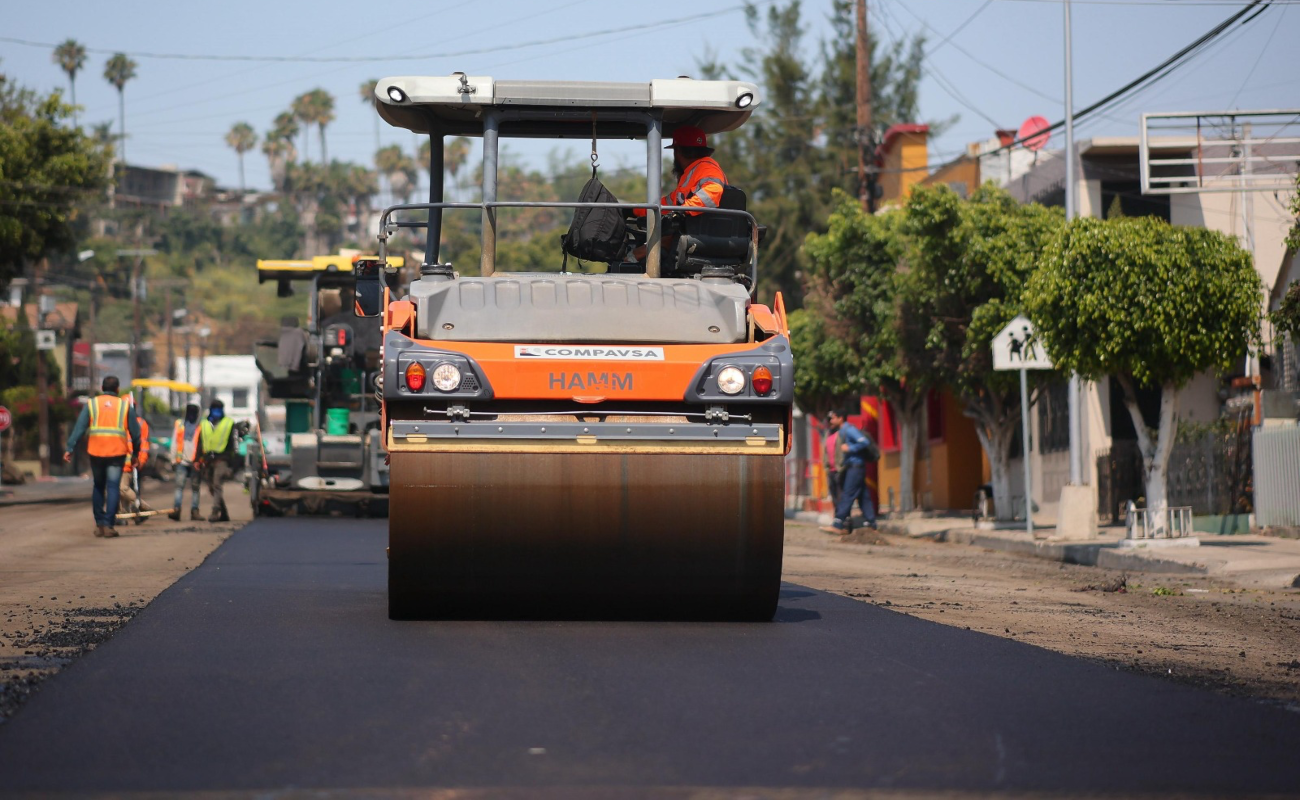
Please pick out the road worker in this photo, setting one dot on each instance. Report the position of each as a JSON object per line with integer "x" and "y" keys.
{"x": 219, "y": 450}
{"x": 112, "y": 432}
{"x": 130, "y": 464}
{"x": 186, "y": 452}
{"x": 700, "y": 179}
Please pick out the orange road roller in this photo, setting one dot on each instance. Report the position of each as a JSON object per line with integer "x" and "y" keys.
{"x": 591, "y": 444}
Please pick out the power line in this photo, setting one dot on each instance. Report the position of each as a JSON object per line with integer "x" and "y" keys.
{"x": 646, "y": 27}
{"x": 939, "y": 78}
{"x": 1161, "y": 70}
{"x": 1260, "y": 57}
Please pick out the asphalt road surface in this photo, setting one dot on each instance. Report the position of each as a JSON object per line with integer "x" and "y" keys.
{"x": 274, "y": 666}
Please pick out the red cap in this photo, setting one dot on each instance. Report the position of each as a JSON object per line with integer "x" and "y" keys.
{"x": 688, "y": 136}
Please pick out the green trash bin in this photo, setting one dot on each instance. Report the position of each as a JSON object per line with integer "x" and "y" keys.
{"x": 336, "y": 422}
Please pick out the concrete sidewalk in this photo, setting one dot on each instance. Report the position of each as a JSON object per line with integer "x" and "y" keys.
{"x": 56, "y": 490}
{"x": 1248, "y": 561}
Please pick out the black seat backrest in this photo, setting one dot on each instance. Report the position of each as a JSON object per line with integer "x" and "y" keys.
{"x": 721, "y": 225}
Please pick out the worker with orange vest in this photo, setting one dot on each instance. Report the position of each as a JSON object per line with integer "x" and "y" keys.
{"x": 112, "y": 431}
{"x": 187, "y": 451}
{"x": 700, "y": 179}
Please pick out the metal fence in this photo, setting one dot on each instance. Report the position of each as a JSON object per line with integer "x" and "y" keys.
{"x": 1212, "y": 474}
{"x": 1119, "y": 479}
{"x": 1277, "y": 475}
{"x": 1145, "y": 523}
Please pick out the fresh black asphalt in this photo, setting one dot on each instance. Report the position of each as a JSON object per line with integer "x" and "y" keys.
{"x": 274, "y": 666}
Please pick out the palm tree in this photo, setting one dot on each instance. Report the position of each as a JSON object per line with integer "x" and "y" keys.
{"x": 304, "y": 115}
{"x": 279, "y": 152}
{"x": 399, "y": 168}
{"x": 71, "y": 57}
{"x": 285, "y": 127}
{"x": 118, "y": 71}
{"x": 322, "y": 111}
{"x": 367, "y": 92}
{"x": 242, "y": 138}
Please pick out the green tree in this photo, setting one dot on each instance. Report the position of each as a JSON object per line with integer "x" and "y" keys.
{"x": 49, "y": 171}
{"x": 1286, "y": 317}
{"x": 71, "y": 57}
{"x": 399, "y": 169}
{"x": 315, "y": 108}
{"x": 367, "y": 92}
{"x": 968, "y": 263}
{"x": 1148, "y": 304}
{"x": 241, "y": 138}
{"x": 853, "y": 295}
{"x": 303, "y": 113}
{"x": 118, "y": 71}
{"x": 800, "y": 143}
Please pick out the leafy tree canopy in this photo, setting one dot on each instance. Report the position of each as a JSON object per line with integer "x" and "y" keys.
{"x": 48, "y": 171}
{"x": 1140, "y": 297}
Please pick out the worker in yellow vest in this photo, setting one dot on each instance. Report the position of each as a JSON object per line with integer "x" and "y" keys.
{"x": 112, "y": 431}
{"x": 216, "y": 437}
{"x": 187, "y": 452}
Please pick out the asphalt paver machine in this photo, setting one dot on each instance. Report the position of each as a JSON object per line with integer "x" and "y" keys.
{"x": 581, "y": 445}
{"x": 323, "y": 370}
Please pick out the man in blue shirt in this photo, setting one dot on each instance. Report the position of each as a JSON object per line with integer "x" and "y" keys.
{"x": 856, "y": 447}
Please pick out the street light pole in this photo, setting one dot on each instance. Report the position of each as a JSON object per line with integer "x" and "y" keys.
{"x": 1071, "y": 190}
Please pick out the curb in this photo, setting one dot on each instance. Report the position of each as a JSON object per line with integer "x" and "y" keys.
{"x": 1106, "y": 555}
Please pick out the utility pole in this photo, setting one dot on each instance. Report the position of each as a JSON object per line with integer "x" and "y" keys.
{"x": 1077, "y": 517}
{"x": 866, "y": 184}
{"x": 137, "y": 296}
{"x": 1071, "y": 190}
{"x": 137, "y": 289}
{"x": 171, "y": 360}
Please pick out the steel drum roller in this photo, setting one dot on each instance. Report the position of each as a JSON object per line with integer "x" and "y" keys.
{"x": 600, "y": 535}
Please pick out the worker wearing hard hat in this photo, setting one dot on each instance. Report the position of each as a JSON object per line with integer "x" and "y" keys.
{"x": 700, "y": 179}
{"x": 111, "y": 432}
{"x": 186, "y": 449}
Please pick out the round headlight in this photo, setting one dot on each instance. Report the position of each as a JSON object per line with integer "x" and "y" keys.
{"x": 446, "y": 378}
{"x": 396, "y": 94}
{"x": 745, "y": 100}
{"x": 731, "y": 380}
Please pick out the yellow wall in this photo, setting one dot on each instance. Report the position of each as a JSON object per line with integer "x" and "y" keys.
{"x": 953, "y": 470}
{"x": 963, "y": 173}
{"x": 905, "y": 164}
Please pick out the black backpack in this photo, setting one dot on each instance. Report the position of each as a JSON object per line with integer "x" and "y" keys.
{"x": 597, "y": 234}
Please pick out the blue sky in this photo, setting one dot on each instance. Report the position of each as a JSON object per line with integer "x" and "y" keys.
{"x": 178, "y": 111}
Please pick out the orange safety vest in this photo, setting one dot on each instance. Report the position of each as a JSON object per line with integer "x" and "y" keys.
{"x": 700, "y": 185}
{"x": 184, "y": 452}
{"x": 144, "y": 444}
{"x": 108, "y": 434}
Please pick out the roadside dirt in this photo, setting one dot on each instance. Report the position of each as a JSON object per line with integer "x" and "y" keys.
{"x": 1191, "y": 629}
{"x": 63, "y": 591}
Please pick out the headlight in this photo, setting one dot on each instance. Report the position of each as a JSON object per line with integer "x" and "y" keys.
{"x": 446, "y": 378}
{"x": 731, "y": 380}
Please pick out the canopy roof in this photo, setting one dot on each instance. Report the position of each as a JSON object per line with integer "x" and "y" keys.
{"x": 305, "y": 269}
{"x": 453, "y": 105}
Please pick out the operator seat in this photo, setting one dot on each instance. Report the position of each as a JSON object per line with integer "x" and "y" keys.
{"x": 710, "y": 240}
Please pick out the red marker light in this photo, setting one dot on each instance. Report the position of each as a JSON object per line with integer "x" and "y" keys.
{"x": 761, "y": 380}
{"x": 415, "y": 377}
